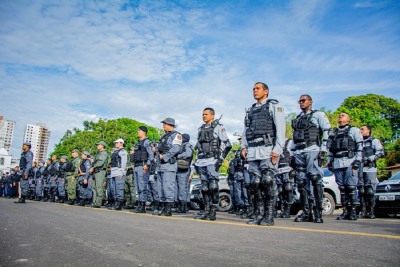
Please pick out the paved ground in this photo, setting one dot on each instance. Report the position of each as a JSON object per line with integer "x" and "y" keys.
{"x": 48, "y": 234}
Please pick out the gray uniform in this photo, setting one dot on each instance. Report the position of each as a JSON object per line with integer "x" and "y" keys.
{"x": 182, "y": 175}
{"x": 372, "y": 151}
{"x": 311, "y": 131}
{"x": 25, "y": 165}
{"x": 54, "y": 169}
{"x": 344, "y": 157}
{"x": 264, "y": 133}
{"x": 141, "y": 178}
{"x": 213, "y": 146}
{"x": 84, "y": 189}
{"x": 118, "y": 170}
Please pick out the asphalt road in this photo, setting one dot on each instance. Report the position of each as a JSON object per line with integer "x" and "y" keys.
{"x": 49, "y": 234}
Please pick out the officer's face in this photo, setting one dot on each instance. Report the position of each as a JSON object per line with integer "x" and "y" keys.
{"x": 74, "y": 154}
{"x": 207, "y": 116}
{"x": 84, "y": 156}
{"x": 364, "y": 131}
{"x": 100, "y": 147}
{"x": 305, "y": 102}
{"x": 140, "y": 133}
{"x": 343, "y": 119}
{"x": 118, "y": 144}
{"x": 25, "y": 147}
{"x": 167, "y": 127}
{"x": 259, "y": 93}
{"x": 54, "y": 158}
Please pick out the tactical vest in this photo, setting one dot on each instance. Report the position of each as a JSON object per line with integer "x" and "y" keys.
{"x": 53, "y": 170}
{"x": 163, "y": 146}
{"x": 69, "y": 167}
{"x": 46, "y": 171}
{"x": 82, "y": 167}
{"x": 284, "y": 159}
{"x": 209, "y": 144}
{"x": 22, "y": 161}
{"x": 116, "y": 159}
{"x": 140, "y": 154}
{"x": 39, "y": 172}
{"x": 306, "y": 131}
{"x": 368, "y": 150}
{"x": 184, "y": 163}
{"x": 260, "y": 123}
{"x": 62, "y": 169}
{"x": 340, "y": 141}
{"x": 237, "y": 162}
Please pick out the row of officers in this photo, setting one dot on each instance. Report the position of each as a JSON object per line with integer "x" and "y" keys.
{"x": 269, "y": 159}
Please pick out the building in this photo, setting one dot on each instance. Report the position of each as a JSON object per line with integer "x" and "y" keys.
{"x": 38, "y": 135}
{"x": 6, "y": 133}
{"x": 5, "y": 160}
{"x": 393, "y": 169}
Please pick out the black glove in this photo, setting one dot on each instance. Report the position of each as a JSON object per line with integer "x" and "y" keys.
{"x": 321, "y": 157}
{"x": 330, "y": 166}
{"x": 218, "y": 164}
{"x": 356, "y": 165}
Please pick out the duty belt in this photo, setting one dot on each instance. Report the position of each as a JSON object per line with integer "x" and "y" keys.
{"x": 256, "y": 144}
{"x": 349, "y": 154}
{"x": 142, "y": 163}
{"x": 305, "y": 144}
{"x": 99, "y": 170}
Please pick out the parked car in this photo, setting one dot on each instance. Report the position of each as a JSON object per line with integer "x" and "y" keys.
{"x": 387, "y": 196}
{"x": 331, "y": 195}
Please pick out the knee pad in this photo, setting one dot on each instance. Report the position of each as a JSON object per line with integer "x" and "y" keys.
{"x": 315, "y": 177}
{"x": 213, "y": 186}
{"x": 204, "y": 187}
{"x": 279, "y": 189}
{"x": 301, "y": 168}
{"x": 370, "y": 191}
{"x": 361, "y": 190}
{"x": 342, "y": 188}
{"x": 254, "y": 181}
{"x": 301, "y": 183}
{"x": 351, "y": 188}
{"x": 287, "y": 187}
{"x": 268, "y": 177}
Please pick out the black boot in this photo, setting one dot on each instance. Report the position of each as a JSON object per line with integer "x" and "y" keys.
{"x": 155, "y": 207}
{"x": 81, "y": 203}
{"x": 286, "y": 211}
{"x": 247, "y": 213}
{"x": 109, "y": 203}
{"x": 319, "y": 198}
{"x": 233, "y": 210}
{"x": 200, "y": 214}
{"x": 141, "y": 208}
{"x": 212, "y": 216}
{"x": 261, "y": 213}
{"x": 268, "y": 219}
{"x": 363, "y": 207}
{"x": 20, "y": 200}
{"x": 118, "y": 205}
{"x": 345, "y": 202}
{"x": 182, "y": 207}
{"x": 305, "y": 216}
{"x": 371, "y": 207}
{"x": 159, "y": 209}
{"x": 167, "y": 211}
{"x": 61, "y": 200}
{"x": 353, "y": 199}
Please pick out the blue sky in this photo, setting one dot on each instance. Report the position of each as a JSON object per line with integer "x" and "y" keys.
{"x": 62, "y": 62}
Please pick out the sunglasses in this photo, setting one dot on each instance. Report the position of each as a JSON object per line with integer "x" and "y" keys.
{"x": 302, "y": 100}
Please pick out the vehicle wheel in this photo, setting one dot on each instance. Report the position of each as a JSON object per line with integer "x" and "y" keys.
{"x": 328, "y": 205}
{"x": 194, "y": 205}
{"x": 225, "y": 202}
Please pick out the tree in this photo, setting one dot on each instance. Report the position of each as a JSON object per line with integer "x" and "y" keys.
{"x": 103, "y": 130}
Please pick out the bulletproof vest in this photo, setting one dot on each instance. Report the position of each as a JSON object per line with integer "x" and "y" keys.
{"x": 63, "y": 169}
{"x": 39, "y": 172}
{"x": 305, "y": 130}
{"x": 184, "y": 163}
{"x": 341, "y": 141}
{"x": 260, "y": 123}
{"x": 53, "y": 170}
{"x": 284, "y": 159}
{"x": 46, "y": 171}
{"x": 69, "y": 167}
{"x": 140, "y": 154}
{"x": 209, "y": 145}
{"x": 116, "y": 159}
{"x": 237, "y": 162}
{"x": 82, "y": 167}
{"x": 163, "y": 146}
{"x": 368, "y": 150}
{"x": 22, "y": 161}
{"x": 231, "y": 168}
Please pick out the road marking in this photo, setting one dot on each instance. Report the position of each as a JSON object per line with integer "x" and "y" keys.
{"x": 257, "y": 226}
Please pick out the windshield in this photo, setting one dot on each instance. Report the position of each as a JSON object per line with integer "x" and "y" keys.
{"x": 395, "y": 177}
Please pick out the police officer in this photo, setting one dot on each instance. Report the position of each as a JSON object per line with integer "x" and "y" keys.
{"x": 345, "y": 147}
{"x": 168, "y": 148}
{"x": 129, "y": 188}
{"x": 184, "y": 160}
{"x": 46, "y": 181}
{"x": 143, "y": 157}
{"x": 25, "y": 165}
{"x": 72, "y": 171}
{"x": 263, "y": 142}
{"x": 32, "y": 181}
{"x": 118, "y": 171}
{"x": 153, "y": 188}
{"x": 83, "y": 178}
{"x": 54, "y": 169}
{"x": 372, "y": 151}
{"x": 285, "y": 180}
{"x": 310, "y": 134}
{"x": 213, "y": 146}
{"x": 39, "y": 180}
{"x": 98, "y": 171}
{"x": 61, "y": 182}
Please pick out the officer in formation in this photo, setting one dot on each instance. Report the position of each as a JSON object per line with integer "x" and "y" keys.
{"x": 153, "y": 187}
{"x": 372, "y": 151}
{"x": 213, "y": 146}
{"x": 130, "y": 186}
{"x": 263, "y": 142}
{"x": 167, "y": 149}
{"x": 84, "y": 178}
{"x": 143, "y": 158}
{"x": 3, "y": 183}
{"x": 31, "y": 181}
{"x": 345, "y": 148}
{"x": 119, "y": 159}
{"x": 310, "y": 134}
{"x": 61, "y": 181}
{"x": 285, "y": 180}
{"x": 239, "y": 195}
{"x": 53, "y": 171}
{"x": 25, "y": 165}
{"x": 184, "y": 161}
{"x": 98, "y": 172}
{"x": 39, "y": 181}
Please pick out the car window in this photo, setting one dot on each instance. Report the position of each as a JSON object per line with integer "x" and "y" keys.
{"x": 327, "y": 172}
{"x": 395, "y": 177}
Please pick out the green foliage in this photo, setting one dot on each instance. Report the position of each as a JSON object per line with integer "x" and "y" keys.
{"x": 103, "y": 130}
{"x": 229, "y": 157}
{"x": 392, "y": 152}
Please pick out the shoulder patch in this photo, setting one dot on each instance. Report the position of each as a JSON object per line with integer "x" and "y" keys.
{"x": 177, "y": 140}
{"x": 272, "y": 101}
{"x": 279, "y": 109}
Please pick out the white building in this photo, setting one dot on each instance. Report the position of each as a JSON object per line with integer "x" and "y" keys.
{"x": 6, "y": 133}
{"x": 5, "y": 161}
{"x": 38, "y": 135}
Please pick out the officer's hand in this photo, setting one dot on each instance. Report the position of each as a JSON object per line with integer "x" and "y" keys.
{"x": 84, "y": 181}
{"x": 104, "y": 184}
{"x": 25, "y": 176}
{"x": 55, "y": 179}
{"x": 356, "y": 165}
{"x": 63, "y": 180}
{"x": 274, "y": 157}
{"x": 161, "y": 157}
{"x": 91, "y": 182}
{"x": 72, "y": 179}
{"x": 244, "y": 153}
{"x": 329, "y": 165}
{"x": 120, "y": 177}
{"x": 145, "y": 168}
{"x": 14, "y": 184}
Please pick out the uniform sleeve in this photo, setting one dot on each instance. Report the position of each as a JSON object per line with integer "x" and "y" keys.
{"x": 150, "y": 152}
{"x": 29, "y": 160}
{"x": 77, "y": 162}
{"x": 175, "y": 147}
{"x": 225, "y": 143}
{"x": 325, "y": 125}
{"x": 124, "y": 159}
{"x": 100, "y": 160}
{"x": 187, "y": 153}
{"x": 88, "y": 165}
{"x": 378, "y": 148}
{"x": 359, "y": 143}
{"x": 280, "y": 124}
